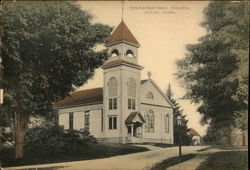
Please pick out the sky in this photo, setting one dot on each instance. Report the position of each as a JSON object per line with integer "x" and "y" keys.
{"x": 163, "y": 29}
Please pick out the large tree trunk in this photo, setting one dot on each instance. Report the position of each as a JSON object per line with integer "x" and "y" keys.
{"x": 21, "y": 124}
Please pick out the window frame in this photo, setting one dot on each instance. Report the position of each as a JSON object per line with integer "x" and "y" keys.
{"x": 102, "y": 121}
{"x": 113, "y": 103}
{"x": 150, "y": 121}
{"x": 167, "y": 123}
{"x": 86, "y": 121}
{"x": 112, "y": 122}
{"x": 71, "y": 120}
{"x": 131, "y": 103}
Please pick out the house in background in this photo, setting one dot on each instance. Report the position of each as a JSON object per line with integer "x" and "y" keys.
{"x": 196, "y": 138}
{"x": 126, "y": 109}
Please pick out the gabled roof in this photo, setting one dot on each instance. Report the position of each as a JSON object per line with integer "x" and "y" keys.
{"x": 81, "y": 97}
{"x": 122, "y": 34}
{"x": 87, "y": 96}
{"x": 131, "y": 117}
{"x": 158, "y": 88}
{"x": 192, "y": 132}
{"x": 120, "y": 62}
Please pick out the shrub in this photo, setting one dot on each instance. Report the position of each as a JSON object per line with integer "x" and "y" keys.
{"x": 51, "y": 143}
{"x": 52, "y": 140}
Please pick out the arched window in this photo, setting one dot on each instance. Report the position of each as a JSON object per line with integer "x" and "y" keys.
{"x": 130, "y": 53}
{"x": 150, "y": 95}
{"x": 150, "y": 121}
{"x": 114, "y": 53}
{"x": 112, "y": 93}
{"x": 147, "y": 122}
{"x": 112, "y": 87}
{"x": 131, "y": 87}
{"x": 167, "y": 123}
{"x": 131, "y": 93}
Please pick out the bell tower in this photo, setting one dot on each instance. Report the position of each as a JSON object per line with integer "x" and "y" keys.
{"x": 122, "y": 45}
{"x": 121, "y": 82}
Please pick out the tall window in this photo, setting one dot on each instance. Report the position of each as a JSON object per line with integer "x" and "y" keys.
{"x": 112, "y": 122}
{"x": 147, "y": 123}
{"x": 71, "y": 120}
{"x": 102, "y": 121}
{"x": 131, "y": 103}
{"x": 167, "y": 123}
{"x": 112, "y": 93}
{"x": 131, "y": 93}
{"x": 150, "y": 119}
{"x": 86, "y": 121}
{"x": 112, "y": 103}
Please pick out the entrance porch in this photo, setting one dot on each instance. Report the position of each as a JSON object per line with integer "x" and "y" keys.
{"x": 134, "y": 124}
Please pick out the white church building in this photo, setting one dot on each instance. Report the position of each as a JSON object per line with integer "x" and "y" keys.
{"x": 126, "y": 109}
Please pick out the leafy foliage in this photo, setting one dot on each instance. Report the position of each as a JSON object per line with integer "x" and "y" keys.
{"x": 46, "y": 54}
{"x": 185, "y": 138}
{"x": 215, "y": 71}
{"x": 51, "y": 143}
{"x": 43, "y": 141}
{"x": 47, "y": 50}
{"x": 217, "y": 134}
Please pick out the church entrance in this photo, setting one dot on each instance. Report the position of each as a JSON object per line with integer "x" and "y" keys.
{"x": 135, "y": 129}
{"x": 135, "y": 132}
{"x": 134, "y": 124}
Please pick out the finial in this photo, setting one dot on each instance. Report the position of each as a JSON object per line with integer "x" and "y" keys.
{"x": 122, "y": 8}
{"x": 149, "y": 75}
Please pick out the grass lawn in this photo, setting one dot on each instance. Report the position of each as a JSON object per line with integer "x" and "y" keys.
{"x": 171, "y": 162}
{"x": 228, "y": 160}
{"x": 91, "y": 151}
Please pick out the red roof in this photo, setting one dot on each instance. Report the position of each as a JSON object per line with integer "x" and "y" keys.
{"x": 192, "y": 132}
{"x": 80, "y": 97}
{"x": 119, "y": 62}
{"x": 122, "y": 33}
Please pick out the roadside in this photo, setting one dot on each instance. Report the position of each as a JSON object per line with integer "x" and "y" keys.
{"x": 136, "y": 161}
{"x": 221, "y": 158}
{"x": 190, "y": 164}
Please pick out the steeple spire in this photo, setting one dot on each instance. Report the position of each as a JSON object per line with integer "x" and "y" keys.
{"x": 122, "y": 34}
{"x": 122, "y": 9}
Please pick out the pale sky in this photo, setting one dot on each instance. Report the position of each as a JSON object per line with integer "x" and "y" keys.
{"x": 163, "y": 29}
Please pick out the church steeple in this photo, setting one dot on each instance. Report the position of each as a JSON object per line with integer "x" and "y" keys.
{"x": 121, "y": 79}
{"x": 123, "y": 47}
{"x": 122, "y": 34}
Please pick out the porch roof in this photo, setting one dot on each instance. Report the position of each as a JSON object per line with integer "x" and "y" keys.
{"x": 132, "y": 116}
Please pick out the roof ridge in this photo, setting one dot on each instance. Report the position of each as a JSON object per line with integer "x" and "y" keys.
{"x": 122, "y": 33}
{"x": 86, "y": 89}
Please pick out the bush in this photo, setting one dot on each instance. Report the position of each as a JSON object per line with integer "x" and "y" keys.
{"x": 54, "y": 140}
{"x": 6, "y": 153}
{"x": 51, "y": 143}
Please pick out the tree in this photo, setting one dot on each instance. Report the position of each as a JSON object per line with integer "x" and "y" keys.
{"x": 217, "y": 134}
{"x": 47, "y": 50}
{"x": 185, "y": 138}
{"x": 215, "y": 70}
